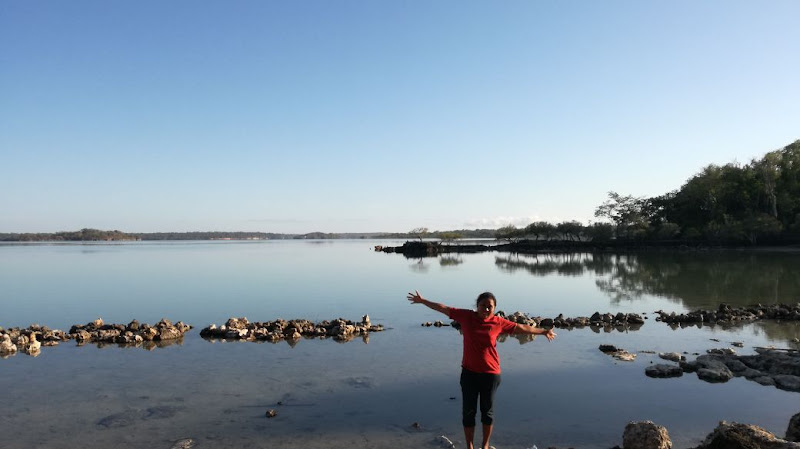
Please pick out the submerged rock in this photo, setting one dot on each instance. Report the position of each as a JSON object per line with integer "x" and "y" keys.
{"x": 671, "y": 356}
{"x": 727, "y": 314}
{"x": 617, "y": 353}
{"x": 767, "y": 367}
{"x": 663, "y": 371}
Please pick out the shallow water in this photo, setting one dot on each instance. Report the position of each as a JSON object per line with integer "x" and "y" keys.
{"x": 564, "y": 393}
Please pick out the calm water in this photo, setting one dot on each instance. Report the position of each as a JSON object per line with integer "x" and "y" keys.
{"x": 368, "y": 393}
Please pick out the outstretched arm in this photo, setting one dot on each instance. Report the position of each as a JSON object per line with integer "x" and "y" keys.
{"x": 525, "y": 329}
{"x": 416, "y": 298}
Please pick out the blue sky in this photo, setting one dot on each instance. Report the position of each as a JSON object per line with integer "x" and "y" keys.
{"x": 336, "y": 116}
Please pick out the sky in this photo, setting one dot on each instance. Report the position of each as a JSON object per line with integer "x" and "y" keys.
{"x": 377, "y": 116}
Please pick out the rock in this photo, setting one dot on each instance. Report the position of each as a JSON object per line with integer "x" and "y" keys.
{"x": 618, "y": 353}
{"x": 663, "y": 371}
{"x": 712, "y": 368}
{"x": 743, "y": 436}
{"x": 292, "y": 331}
{"x": 764, "y": 380}
{"x": 6, "y": 346}
{"x": 714, "y": 375}
{"x": 185, "y": 443}
{"x": 721, "y": 351}
{"x": 671, "y": 356}
{"x": 237, "y": 323}
{"x": 33, "y": 345}
{"x": 787, "y": 382}
{"x": 793, "y": 431}
{"x": 645, "y": 435}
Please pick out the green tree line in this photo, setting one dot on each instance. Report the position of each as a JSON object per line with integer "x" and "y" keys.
{"x": 84, "y": 235}
{"x": 752, "y": 203}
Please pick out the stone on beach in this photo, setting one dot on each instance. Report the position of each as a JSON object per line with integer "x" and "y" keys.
{"x": 743, "y": 436}
{"x": 793, "y": 431}
{"x": 645, "y": 435}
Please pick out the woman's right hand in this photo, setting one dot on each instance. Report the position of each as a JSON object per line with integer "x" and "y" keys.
{"x": 415, "y": 297}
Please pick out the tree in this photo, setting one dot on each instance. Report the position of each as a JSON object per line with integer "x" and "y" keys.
{"x": 760, "y": 225}
{"x": 599, "y": 232}
{"x": 419, "y": 233}
{"x": 540, "y": 228}
{"x": 510, "y": 233}
{"x": 571, "y": 230}
{"x": 627, "y": 213}
{"x": 449, "y": 236}
{"x": 787, "y": 186}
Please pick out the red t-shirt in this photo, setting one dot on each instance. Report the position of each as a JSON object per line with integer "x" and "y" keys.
{"x": 480, "y": 339}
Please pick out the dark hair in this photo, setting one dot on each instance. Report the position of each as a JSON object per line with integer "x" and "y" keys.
{"x": 486, "y": 295}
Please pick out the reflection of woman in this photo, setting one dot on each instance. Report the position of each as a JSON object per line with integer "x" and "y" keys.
{"x": 480, "y": 364}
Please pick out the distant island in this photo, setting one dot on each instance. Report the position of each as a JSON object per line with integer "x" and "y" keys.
{"x": 96, "y": 235}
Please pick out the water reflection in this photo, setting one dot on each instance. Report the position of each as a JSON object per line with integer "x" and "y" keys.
{"x": 450, "y": 260}
{"x": 695, "y": 279}
{"x": 292, "y": 342}
{"x": 574, "y": 264}
{"x": 419, "y": 266}
{"x": 148, "y": 345}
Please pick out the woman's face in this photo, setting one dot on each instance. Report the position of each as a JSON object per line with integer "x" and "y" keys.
{"x": 486, "y": 308}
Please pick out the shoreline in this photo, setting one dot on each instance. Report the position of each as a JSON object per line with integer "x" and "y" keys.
{"x": 412, "y": 249}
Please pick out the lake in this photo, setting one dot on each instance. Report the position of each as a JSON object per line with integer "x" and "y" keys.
{"x": 369, "y": 392}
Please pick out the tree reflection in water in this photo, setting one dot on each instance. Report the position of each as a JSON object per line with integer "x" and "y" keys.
{"x": 698, "y": 279}
{"x": 450, "y": 260}
{"x": 695, "y": 279}
{"x": 419, "y": 266}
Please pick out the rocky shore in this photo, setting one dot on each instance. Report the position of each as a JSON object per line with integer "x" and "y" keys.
{"x": 727, "y": 314}
{"x": 278, "y": 330}
{"x": 31, "y": 339}
{"x": 648, "y": 435}
{"x": 606, "y": 321}
{"x": 770, "y": 367}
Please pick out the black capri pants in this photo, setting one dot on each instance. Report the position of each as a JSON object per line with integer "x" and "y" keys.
{"x": 473, "y": 386}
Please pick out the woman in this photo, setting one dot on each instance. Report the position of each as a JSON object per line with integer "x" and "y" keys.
{"x": 480, "y": 364}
